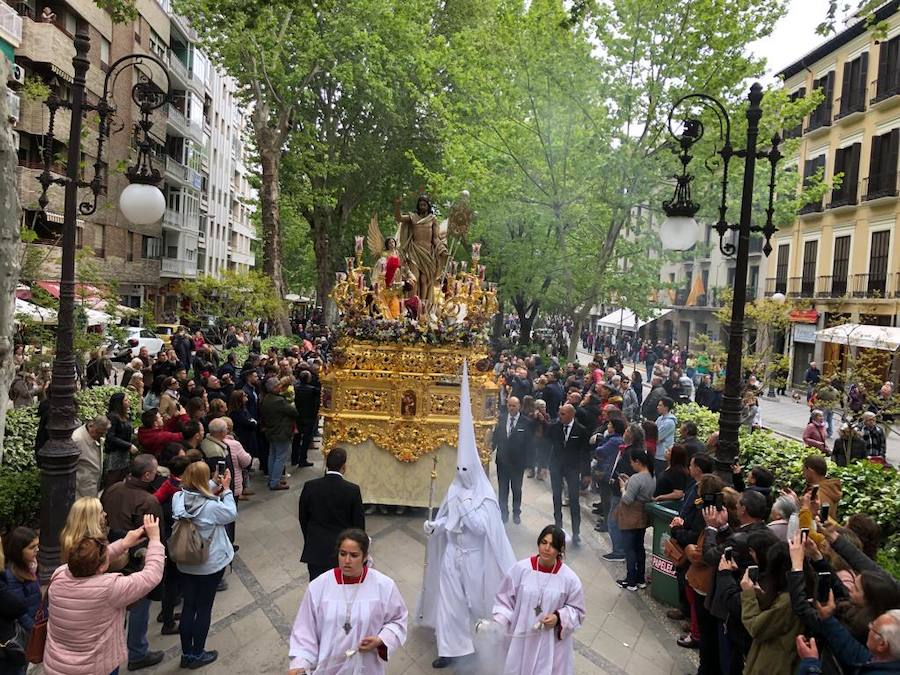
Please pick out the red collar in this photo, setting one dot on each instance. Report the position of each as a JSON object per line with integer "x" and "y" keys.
{"x": 341, "y": 579}
{"x": 535, "y": 566}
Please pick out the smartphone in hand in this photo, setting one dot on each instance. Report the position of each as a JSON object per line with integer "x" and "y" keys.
{"x": 804, "y": 534}
{"x": 220, "y": 467}
{"x": 728, "y": 553}
{"x": 823, "y": 587}
{"x": 753, "y": 573}
{"x": 824, "y": 512}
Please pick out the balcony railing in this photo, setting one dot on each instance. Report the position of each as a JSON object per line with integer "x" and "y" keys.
{"x": 883, "y": 89}
{"x": 856, "y": 102}
{"x": 793, "y": 287}
{"x": 845, "y": 195}
{"x": 751, "y": 293}
{"x": 811, "y": 207}
{"x": 173, "y": 219}
{"x": 775, "y": 285}
{"x": 878, "y": 186}
{"x": 177, "y": 170}
{"x": 179, "y": 68}
{"x": 831, "y": 287}
{"x": 820, "y": 117}
{"x": 869, "y": 286}
{"x": 172, "y": 267}
{"x": 11, "y": 23}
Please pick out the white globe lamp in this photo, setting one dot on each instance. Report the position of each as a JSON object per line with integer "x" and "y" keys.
{"x": 142, "y": 204}
{"x": 678, "y": 233}
{"x": 779, "y": 298}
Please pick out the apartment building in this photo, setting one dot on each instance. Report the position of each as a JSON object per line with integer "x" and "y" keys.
{"x": 841, "y": 253}
{"x": 146, "y": 263}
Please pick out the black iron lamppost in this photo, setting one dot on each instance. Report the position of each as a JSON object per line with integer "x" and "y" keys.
{"x": 679, "y": 232}
{"x": 142, "y": 203}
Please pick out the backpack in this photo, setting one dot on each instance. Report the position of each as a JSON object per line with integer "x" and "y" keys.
{"x": 186, "y": 546}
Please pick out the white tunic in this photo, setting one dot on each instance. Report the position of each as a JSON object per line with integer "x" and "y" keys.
{"x": 318, "y": 640}
{"x": 529, "y": 650}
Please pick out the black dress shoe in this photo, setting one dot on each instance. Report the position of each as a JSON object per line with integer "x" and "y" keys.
{"x": 160, "y": 619}
{"x": 576, "y": 540}
{"x": 442, "y": 662}
{"x": 601, "y": 527}
{"x": 517, "y": 519}
{"x": 170, "y": 629}
{"x": 304, "y": 465}
{"x": 151, "y": 659}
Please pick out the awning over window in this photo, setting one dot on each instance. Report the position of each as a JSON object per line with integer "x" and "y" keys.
{"x": 862, "y": 335}
{"x": 626, "y": 319}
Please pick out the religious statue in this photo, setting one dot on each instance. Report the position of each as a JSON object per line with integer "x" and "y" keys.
{"x": 423, "y": 246}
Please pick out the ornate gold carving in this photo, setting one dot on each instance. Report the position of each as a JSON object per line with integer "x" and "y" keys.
{"x": 409, "y": 418}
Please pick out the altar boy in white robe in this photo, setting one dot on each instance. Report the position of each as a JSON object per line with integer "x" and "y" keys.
{"x": 538, "y": 608}
{"x": 468, "y": 552}
{"x": 352, "y": 618}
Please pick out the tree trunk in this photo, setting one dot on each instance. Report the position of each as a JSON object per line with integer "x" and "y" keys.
{"x": 527, "y": 314}
{"x": 497, "y": 323}
{"x": 270, "y": 160}
{"x": 324, "y": 266}
{"x": 10, "y": 258}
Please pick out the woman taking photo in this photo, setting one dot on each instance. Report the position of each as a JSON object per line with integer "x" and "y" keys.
{"x": 351, "y": 619}
{"x": 244, "y": 425}
{"x": 539, "y": 606}
{"x": 86, "y": 605}
{"x": 118, "y": 440}
{"x": 631, "y": 518}
{"x": 210, "y": 513}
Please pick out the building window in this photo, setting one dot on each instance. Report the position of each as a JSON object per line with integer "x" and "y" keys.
{"x": 796, "y": 131}
{"x": 71, "y": 22}
{"x": 846, "y": 161}
{"x": 841, "y": 266}
{"x": 781, "y": 268}
{"x": 157, "y": 45}
{"x": 129, "y": 246}
{"x": 821, "y": 116}
{"x": 100, "y": 240}
{"x": 878, "y": 263}
{"x": 882, "y": 180}
{"x": 853, "y": 88}
{"x": 810, "y": 168}
{"x": 888, "y": 69}
{"x": 104, "y": 51}
{"x": 808, "y": 278}
{"x": 150, "y": 247}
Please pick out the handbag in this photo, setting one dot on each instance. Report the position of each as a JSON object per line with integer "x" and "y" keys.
{"x": 13, "y": 649}
{"x": 631, "y": 516}
{"x": 673, "y": 551}
{"x": 37, "y": 640}
{"x": 186, "y": 546}
{"x": 699, "y": 574}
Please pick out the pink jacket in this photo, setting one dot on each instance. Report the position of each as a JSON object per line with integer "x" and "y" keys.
{"x": 85, "y": 632}
{"x": 241, "y": 459}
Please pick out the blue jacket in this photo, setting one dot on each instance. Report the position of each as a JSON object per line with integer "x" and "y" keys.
{"x": 852, "y": 655}
{"x": 210, "y": 516}
{"x": 606, "y": 453}
{"x": 29, "y": 592}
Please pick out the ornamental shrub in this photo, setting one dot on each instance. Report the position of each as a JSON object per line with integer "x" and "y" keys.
{"x": 22, "y": 424}
{"x": 278, "y": 341}
{"x": 20, "y": 496}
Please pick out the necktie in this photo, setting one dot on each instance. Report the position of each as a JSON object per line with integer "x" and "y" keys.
{"x": 568, "y": 430}
{"x": 510, "y": 423}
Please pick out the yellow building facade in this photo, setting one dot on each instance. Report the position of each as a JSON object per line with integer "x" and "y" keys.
{"x": 842, "y": 254}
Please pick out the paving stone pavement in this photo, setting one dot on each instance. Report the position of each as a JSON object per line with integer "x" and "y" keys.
{"x": 623, "y": 632}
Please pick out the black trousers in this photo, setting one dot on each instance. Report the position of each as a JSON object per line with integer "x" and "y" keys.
{"x": 315, "y": 570}
{"x": 509, "y": 478}
{"x": 306, "y": 430}
{"x": 171, "y": 591}
{"x": 572, "y": 476}
{"x": 262, "y": 451}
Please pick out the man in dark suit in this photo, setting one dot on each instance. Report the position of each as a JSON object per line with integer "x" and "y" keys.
{"x": 570, "y": 459}
{"x": 328, "y": 506}
{"x": 512, "y": 440}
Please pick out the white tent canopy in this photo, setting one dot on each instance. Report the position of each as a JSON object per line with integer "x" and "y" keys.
{"x": 861, "y": 335}
{"x": 626, "y": 319}
{"x": 35, "y": 313}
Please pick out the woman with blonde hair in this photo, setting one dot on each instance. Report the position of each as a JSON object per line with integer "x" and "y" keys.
{"x": 87, "y": 520}
{"x": 210, "y": 512}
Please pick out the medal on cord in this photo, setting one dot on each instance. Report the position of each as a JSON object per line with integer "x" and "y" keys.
{"x": 348, "y": 603}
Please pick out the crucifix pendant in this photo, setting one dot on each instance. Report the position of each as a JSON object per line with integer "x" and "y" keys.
{"x": 347, "y": 627}
{"x": 538, "y": 609}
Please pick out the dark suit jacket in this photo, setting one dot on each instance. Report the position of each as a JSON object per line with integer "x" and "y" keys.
{"x": 512, "y": 450}
{"x": 572, "y": 454}
{"x": 328, "y": 506}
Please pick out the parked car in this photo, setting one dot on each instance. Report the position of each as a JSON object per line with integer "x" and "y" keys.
{"x": 165, "y": 331}
{"x": 135, "y": 338}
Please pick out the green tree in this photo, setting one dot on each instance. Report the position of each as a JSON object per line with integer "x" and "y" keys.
{"x": 230, "y": 299}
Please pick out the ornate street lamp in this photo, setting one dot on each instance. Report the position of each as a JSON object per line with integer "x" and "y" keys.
{"x": 679, "y": 231}
{"x": 142, "y": 203}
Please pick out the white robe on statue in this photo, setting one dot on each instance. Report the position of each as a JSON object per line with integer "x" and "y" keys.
{"x": 530, "y": 651}
{"x": 468, "y": 552}
{"x": 318, "y": 641}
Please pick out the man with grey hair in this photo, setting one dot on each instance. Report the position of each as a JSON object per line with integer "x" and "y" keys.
{"x": 214, "y": 448}
{"x": 880, "y": 655}
{"x": 89, "y": 469}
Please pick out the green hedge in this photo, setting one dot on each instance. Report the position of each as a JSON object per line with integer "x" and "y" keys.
{"x": 278, "y": 341}
{"x": 866, "y": 487}
{"x": 19, "y": 476}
